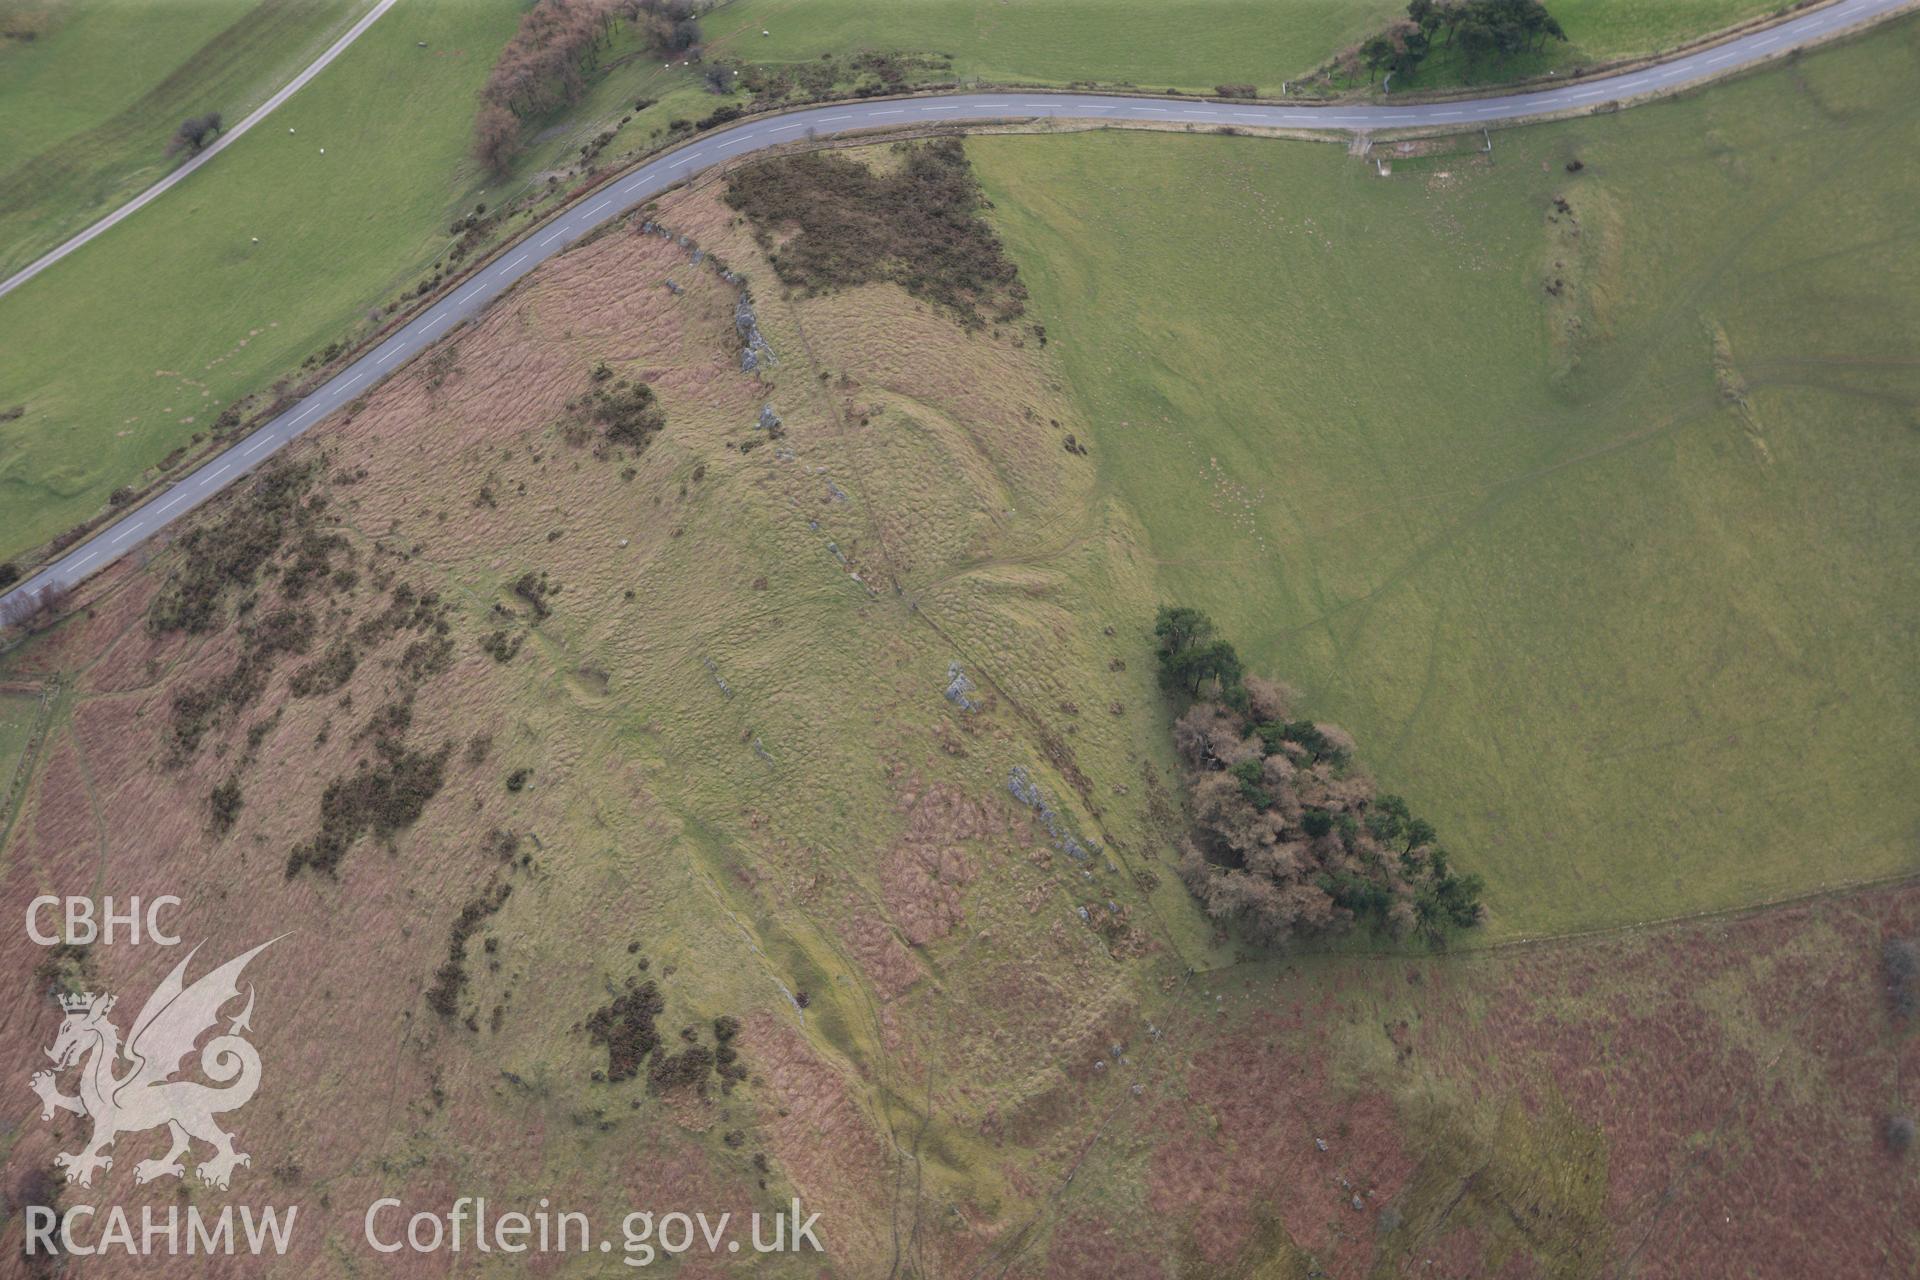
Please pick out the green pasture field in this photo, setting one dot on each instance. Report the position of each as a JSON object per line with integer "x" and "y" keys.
{"x": 1598, "y": 32}
{"x": 91, "y": 99}
{"x": 1191, "y": 46}
{"x": 1597, "y": 526}
{"x": 126, "y": 349}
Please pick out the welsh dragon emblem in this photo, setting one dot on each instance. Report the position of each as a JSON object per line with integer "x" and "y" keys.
{"x": 145, "y": 1095}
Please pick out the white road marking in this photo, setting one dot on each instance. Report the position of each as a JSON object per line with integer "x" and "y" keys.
{"x": 784, "y": 128}
{"x": 89, "y": 559}
{"x": 354, "y": 381}
{"x": 952, "y": 108}
{"x": 178, "y": 498}
{"x": 516, "y": 262}
{"x": 124, "y": 534}
{"x": 895, "y": 112}
{"x": 831, "y": 119}
{"x": 303, "y": 417}
{"x": 597, "y": 208}
{"x": 215, "y": 475}
{"x": 555, "y": 236}
{"x": 257, "y": 446}
{"x": 1717, "y": 59}
{"x": 390, "y": 355}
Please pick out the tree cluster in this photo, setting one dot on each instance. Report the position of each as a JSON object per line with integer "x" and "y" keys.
{"x": 32, "y": 608}
{"x": 551, "y": 57}
{"x": 1479, "y": 29}
{"x": 1291, "y": 839}
{"x": 194, "y": 133}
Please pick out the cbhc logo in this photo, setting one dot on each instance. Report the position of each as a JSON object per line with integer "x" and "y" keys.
{"x": 83, "y": 929}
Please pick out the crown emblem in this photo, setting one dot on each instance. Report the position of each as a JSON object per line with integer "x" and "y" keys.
{"x": 77, "y": 1003}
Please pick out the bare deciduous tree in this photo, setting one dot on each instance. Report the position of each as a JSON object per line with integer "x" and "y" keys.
{"x": 34, "y": 608}
{"x": 194, "y": 133}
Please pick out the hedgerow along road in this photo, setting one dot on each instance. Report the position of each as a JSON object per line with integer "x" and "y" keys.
{"x": 650, "y": 179}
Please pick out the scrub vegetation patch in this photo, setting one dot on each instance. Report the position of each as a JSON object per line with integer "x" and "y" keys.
{"x": 830, "y": 222}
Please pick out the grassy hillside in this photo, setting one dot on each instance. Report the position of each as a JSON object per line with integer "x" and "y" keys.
{"x": 719, "y": 743}
{"x": 1593, "y": 524}
{"x": 694, "y": 704}
{"x": 1598, "y": 31}
{"x": 92, "y": 98}
{"x": 1191, "y": 46}
{"x": 1580, "y": 1109}
{"x": 100, "y": 345}
{"x": 122, "y": 352}
{"x": 713, "y": 752}
{"x": 19, "y": 714}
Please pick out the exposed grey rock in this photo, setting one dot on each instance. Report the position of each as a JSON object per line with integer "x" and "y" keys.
{"x": 959, "y": 688}
{"x": 1024, "y": 789}
{"x": 754, "y": 348}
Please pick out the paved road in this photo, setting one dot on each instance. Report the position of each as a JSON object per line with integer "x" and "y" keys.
{"x": 655, "y": 176}
{"x": 220, "y": 144}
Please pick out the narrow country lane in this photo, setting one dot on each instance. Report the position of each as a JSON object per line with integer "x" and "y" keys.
{"x": 655, "y": 176}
